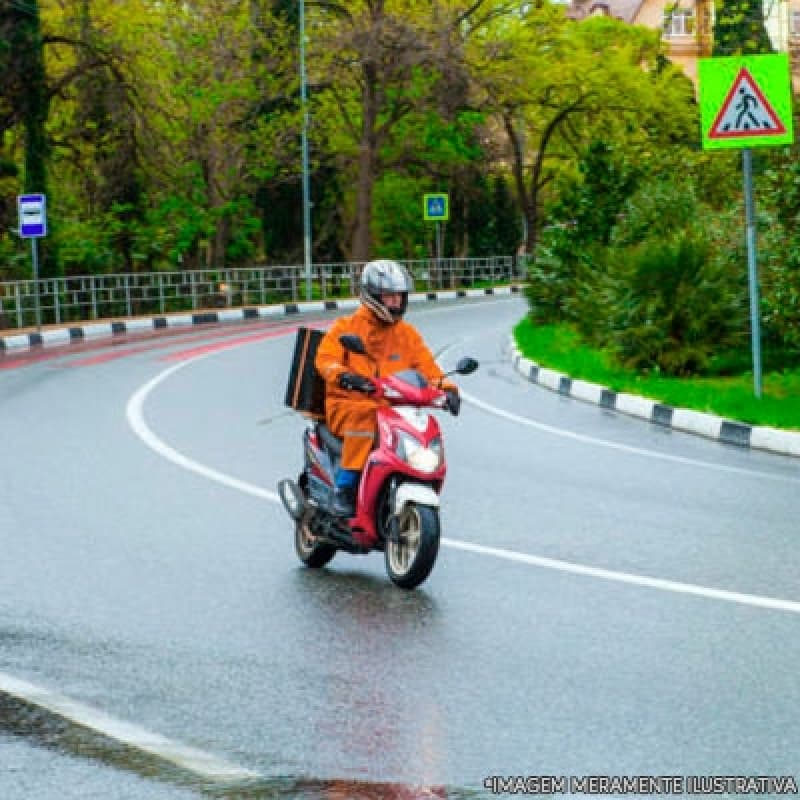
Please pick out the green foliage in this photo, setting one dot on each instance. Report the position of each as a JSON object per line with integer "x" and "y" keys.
{"x": 656, "y": 211}
{"x": 652, "y": 274}
{"x": 779, "y": 261}
{"x": 398, "y": 227}
{"x": 671, "y": 305}
{"x": 739, "y": 28}
{"x": 571, "y": 249}
{"x": 560, "y": 347}
{"x": 85, "y": 248}
{"x": 593, "y": 204}
{"x": 778, "y": 206}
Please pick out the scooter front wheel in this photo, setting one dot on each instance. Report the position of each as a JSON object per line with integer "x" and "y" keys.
{"x": 411, "y": 551}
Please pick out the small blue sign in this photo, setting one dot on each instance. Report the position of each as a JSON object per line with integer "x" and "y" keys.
{"x": 32, "y": 215}
{"x": 436, "y": 207}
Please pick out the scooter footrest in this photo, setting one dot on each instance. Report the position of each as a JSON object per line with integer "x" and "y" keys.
{"x": 338, "y": 534}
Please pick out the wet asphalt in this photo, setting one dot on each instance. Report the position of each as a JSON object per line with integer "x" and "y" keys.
{"x": 171, "y": 600}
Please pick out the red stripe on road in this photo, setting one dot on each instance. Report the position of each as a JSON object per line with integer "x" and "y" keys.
{"x": 113, "y": 349}
{"x": 214, "y": 347}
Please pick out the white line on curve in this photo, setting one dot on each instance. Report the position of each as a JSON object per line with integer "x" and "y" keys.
{"x": 753, "y": 600}
{"x": 140, "y": 427}
{"x": 625, "y": 448}
{"x": 135, "y": 414}
{"x": 209, "y": 766}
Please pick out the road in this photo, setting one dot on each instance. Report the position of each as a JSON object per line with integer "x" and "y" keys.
{"x": 611, "y": 598}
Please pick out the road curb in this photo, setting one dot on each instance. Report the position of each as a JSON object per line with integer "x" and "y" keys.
{"x": 699, "y": 423}
{"x": 55, "y": 335}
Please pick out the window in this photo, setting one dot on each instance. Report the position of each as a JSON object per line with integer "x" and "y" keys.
{"x": 679, "y": 22}
{"x": 794, "y": 23}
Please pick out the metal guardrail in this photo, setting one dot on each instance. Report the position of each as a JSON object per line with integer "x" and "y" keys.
{"x": 87, "y": 297}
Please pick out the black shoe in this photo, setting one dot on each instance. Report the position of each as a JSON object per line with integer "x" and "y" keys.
{"x": 344, "y": 502}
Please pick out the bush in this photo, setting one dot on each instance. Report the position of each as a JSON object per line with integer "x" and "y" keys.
{"x": 671, "y": 305}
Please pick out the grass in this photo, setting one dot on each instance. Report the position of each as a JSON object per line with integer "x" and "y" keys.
{"x": 560, "y": 348}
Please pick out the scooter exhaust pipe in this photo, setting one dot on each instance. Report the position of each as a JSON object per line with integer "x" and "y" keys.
{"x": 292, "y": 498}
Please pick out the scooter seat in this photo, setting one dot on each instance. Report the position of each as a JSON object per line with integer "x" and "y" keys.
{"x": 333, "y": 443}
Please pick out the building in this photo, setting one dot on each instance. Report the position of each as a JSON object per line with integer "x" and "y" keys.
{"x": 687, "y": 26}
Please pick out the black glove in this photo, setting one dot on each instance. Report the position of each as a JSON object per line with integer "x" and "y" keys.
{"x": 453, "y": 401}
{"x": 358, "y": 383}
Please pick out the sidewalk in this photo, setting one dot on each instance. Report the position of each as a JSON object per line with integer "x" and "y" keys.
{"x": 720, "y": 429}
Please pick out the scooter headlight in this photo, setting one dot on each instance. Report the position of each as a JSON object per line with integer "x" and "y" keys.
{"x": 422, "y": 459}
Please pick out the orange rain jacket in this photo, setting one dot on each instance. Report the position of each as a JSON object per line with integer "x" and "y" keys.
{"x": 351, "y": 415}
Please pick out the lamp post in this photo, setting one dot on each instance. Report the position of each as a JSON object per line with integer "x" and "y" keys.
{"x": 304, "y": 147}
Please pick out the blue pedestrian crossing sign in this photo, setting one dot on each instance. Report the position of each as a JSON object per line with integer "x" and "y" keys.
{"x": 32, "y": 215}
{"x": 436, "y": 207}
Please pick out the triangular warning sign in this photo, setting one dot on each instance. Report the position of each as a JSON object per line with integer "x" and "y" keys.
{"x": 746, "y": 112}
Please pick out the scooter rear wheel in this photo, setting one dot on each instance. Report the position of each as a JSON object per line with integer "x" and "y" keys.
{"x": 308, "y": 548}
{"x": 411, "y": 553}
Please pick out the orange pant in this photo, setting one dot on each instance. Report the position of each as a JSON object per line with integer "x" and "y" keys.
{"x": 355, "y": 421}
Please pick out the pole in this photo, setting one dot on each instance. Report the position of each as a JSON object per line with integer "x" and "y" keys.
{"x": 35, "y": 259}
{"x": 306, "y": 190}
{"x": 752, "y": 273}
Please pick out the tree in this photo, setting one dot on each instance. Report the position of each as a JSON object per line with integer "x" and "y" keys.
{"x": 395, "y": 84}
{"x": 739, "y": 28}
{"x": 105, "y": 118}
{"x": 552, "y": 84}
{"x": 25, "y": 98}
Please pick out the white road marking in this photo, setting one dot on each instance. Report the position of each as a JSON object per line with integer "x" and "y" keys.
{"x": 625, "y": 448}
{"x": 754, "y": 600}
{"x": 135, "y": 414}
{"x": 140, "y": 427}
{"x": 215, "y": 769}
{"x": 195, "y": 761}
{"x": 190, "y": 759}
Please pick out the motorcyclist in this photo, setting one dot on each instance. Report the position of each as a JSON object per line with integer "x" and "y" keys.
{"x": 392, "y": 345}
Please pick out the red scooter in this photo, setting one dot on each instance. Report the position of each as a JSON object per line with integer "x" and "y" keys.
{"x": 397, "y": 504}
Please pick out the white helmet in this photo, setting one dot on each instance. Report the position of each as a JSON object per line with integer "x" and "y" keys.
{"x": 385, "y": 277}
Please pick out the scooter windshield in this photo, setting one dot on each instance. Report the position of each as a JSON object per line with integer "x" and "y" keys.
{"x": 412, "y": 378}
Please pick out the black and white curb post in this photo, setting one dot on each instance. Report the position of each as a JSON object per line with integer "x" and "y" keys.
{"x": 680, "y": 419}
{"x": 99, "y": 330}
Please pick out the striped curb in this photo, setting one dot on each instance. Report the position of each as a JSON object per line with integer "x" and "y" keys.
{"x": 99, "y": 330}
{"x": 680, "y": 419}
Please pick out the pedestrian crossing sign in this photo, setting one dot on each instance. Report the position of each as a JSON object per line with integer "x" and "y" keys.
{"x": 745, "y": 101}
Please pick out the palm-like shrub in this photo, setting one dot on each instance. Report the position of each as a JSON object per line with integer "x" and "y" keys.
{"x": 672, "y": 304}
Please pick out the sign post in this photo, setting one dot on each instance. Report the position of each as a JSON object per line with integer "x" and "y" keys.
{"x": 746, "y": 101}
{"x": 436, "y": 208}
{"x": 33, "y": 225}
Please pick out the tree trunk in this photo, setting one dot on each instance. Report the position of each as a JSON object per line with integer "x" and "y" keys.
{"x": 526, "y": 203}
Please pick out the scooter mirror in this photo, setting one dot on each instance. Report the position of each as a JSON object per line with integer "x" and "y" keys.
{"x": 353, "y": 343}
{"x": 466, "y": 366}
